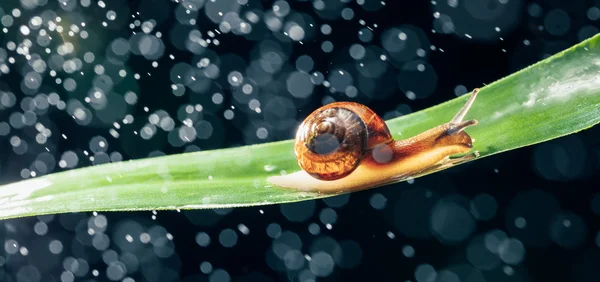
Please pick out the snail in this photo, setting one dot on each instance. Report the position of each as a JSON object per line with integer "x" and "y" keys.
{"x": 345, "y": 146}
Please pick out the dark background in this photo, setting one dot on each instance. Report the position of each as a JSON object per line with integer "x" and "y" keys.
{"x": 551, "y": 185}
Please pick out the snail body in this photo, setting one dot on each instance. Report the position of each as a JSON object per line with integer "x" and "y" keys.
{"x": 345, "y": 146}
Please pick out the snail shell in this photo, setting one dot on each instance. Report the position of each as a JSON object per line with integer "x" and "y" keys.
{"x": 333, "y": 139}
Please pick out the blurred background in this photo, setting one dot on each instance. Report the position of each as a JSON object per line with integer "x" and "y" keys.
{"x": 86, "y": 82}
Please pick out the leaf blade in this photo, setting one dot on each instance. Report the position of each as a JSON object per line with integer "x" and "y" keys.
{"x": 553, "y": 98}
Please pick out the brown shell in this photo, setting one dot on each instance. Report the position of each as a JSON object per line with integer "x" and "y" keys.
{"x": 332, "y": 140}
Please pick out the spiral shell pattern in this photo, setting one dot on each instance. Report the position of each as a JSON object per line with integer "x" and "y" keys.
{"x": 332, "y": 140}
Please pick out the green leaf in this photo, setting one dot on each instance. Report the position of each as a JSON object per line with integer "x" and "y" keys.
{"x": 555, "y": 97}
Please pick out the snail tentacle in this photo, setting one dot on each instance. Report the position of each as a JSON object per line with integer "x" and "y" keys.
{"x": 463, "y": 112}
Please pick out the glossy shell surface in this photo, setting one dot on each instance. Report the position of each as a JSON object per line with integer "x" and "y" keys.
{"x": 332, "y": 140}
